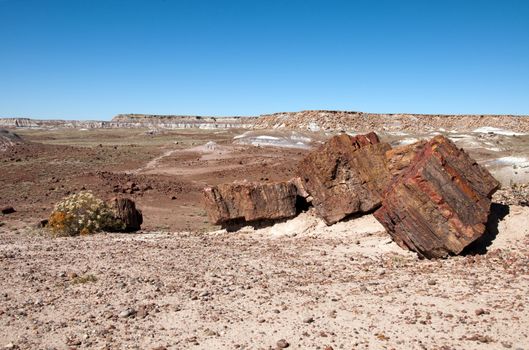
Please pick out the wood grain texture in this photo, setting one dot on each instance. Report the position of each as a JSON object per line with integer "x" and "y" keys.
{"x": 440, "y": 202}
{"x": 346, "y": 175}
{"x": 250, "y": 201}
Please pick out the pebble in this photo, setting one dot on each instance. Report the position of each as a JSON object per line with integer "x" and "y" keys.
{"x": 308, "y": 319}
{"x": 480, "y": 312}
{"x": 127, "y": 313}
{"x": 282, "y": 343}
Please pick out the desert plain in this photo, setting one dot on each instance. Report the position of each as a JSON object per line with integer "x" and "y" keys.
{"x": 182, "y": 282}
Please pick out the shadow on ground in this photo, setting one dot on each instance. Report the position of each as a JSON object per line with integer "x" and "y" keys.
{"x": 497, "y": 213}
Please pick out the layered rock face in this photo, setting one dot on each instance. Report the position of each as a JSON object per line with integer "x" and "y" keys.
{"x": 250, "y": 201}
{"x": 346, "y": 175}
{"x": 8, "y": 139}
{"x": 439, "y": 203}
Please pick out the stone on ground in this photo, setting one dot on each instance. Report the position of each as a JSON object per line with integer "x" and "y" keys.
{"x": 125, "y": 210}
{"x": 250, "y": 201}
{"x": 440, "y": 203}
{"x": 346, "y": 175}
{"x": 7, "y": 210}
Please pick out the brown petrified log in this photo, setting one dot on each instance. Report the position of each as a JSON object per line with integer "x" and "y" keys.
{"x": 250, "y": 201}
{"x": 126, "y": 212}
{"x": 440, "y": 201}
{"x": 346, "y": 175}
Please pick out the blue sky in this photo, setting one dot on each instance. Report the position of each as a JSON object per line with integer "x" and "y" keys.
{"x": 94, "y": 59}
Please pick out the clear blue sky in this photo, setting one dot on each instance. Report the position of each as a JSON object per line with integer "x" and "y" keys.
{"x": 93, "y": 59}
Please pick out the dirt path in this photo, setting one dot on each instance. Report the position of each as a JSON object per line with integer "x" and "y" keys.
{"x": 154, "y": 162}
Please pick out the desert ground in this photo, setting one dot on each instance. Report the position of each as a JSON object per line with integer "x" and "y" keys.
{"x": 184, "y": 283}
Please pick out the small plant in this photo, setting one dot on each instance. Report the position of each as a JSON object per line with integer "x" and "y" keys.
{"x": 82, "y": 214}
{"x": 84, "y": 279}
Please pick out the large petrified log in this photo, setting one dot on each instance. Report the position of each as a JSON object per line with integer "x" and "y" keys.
{"x": 125, "y": 211}
{"x": 346, "y": 175}
{"x": 400, "y": 158}
{"x": 440, "y": 202}
{"x": 250, "y": 201}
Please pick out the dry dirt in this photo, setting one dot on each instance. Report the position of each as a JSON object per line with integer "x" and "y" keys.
{"x": 182, "y": 283}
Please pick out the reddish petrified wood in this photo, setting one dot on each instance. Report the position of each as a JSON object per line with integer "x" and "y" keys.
{"x": 250, "y": 201}
{"x": 440, "y": 202}
{"x": 399, "y": 158}
{"x": 345, "y": 175}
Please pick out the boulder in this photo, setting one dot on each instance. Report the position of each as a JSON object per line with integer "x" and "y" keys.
{"x": 250, "y": 201}
{"x": 125, "y": 210}
{"x": 439, "y": 202}
{"x": 346, "y": 175}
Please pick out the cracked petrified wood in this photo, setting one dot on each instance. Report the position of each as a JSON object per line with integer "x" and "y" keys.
{"x": 125, "y": 211}
{"x": 440, "y": 203}
{"x": 250, "y": 201}
{"x": 346, "y": 175}
{"x": 399, "y": 158}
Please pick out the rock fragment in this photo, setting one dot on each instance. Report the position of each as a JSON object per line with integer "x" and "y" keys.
{"x": 129, "y": 312}
{"x": 439, "y": 203}
{"x": 250, "y": 201}
{"x": 7, "y": 210}
{"x": 125, "y": 210}
{"x": 282, "y": 344}
{"x": 346, "y": 175}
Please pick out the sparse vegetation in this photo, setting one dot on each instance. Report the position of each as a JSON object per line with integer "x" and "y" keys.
{"x": 84, "y": 279}
{"x": 81, "y": 214}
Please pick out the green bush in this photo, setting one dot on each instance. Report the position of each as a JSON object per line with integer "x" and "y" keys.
{"x": 82, "y": 214}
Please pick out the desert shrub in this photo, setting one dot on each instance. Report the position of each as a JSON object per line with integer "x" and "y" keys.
{"x": 81, "y": 214}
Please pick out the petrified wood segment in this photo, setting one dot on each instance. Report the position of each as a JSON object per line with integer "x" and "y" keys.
{"x": 125, "y": 210}
{"x": 250, "y": 201}
{"x": 440, "y": 203}
{"x": 346, "y": 175}
{"x": 399, "y": 158}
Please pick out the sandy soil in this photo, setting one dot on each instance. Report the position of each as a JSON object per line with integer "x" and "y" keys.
{"x": 347, "y": 286}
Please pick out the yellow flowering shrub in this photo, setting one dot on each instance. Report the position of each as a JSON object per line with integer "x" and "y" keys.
{"x": 82, "y": 214}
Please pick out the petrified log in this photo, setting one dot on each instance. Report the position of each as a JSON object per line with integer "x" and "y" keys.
{"x": 440, "y": 202}
{"x": 250, "y": 201}
{"x": 125, "y": 211}
{"x": 400, "y": 158}
{"x": 300, "y": 187}
{"x": 346, "y": 175}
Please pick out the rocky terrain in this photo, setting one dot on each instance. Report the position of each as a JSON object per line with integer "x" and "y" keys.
{"x": 300, "y": 283}
{"x": 9, "y": 139}
{"x": 182, "y": 282}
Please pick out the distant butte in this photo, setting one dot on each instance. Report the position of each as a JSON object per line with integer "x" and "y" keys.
{"x": 317, "y": 120}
